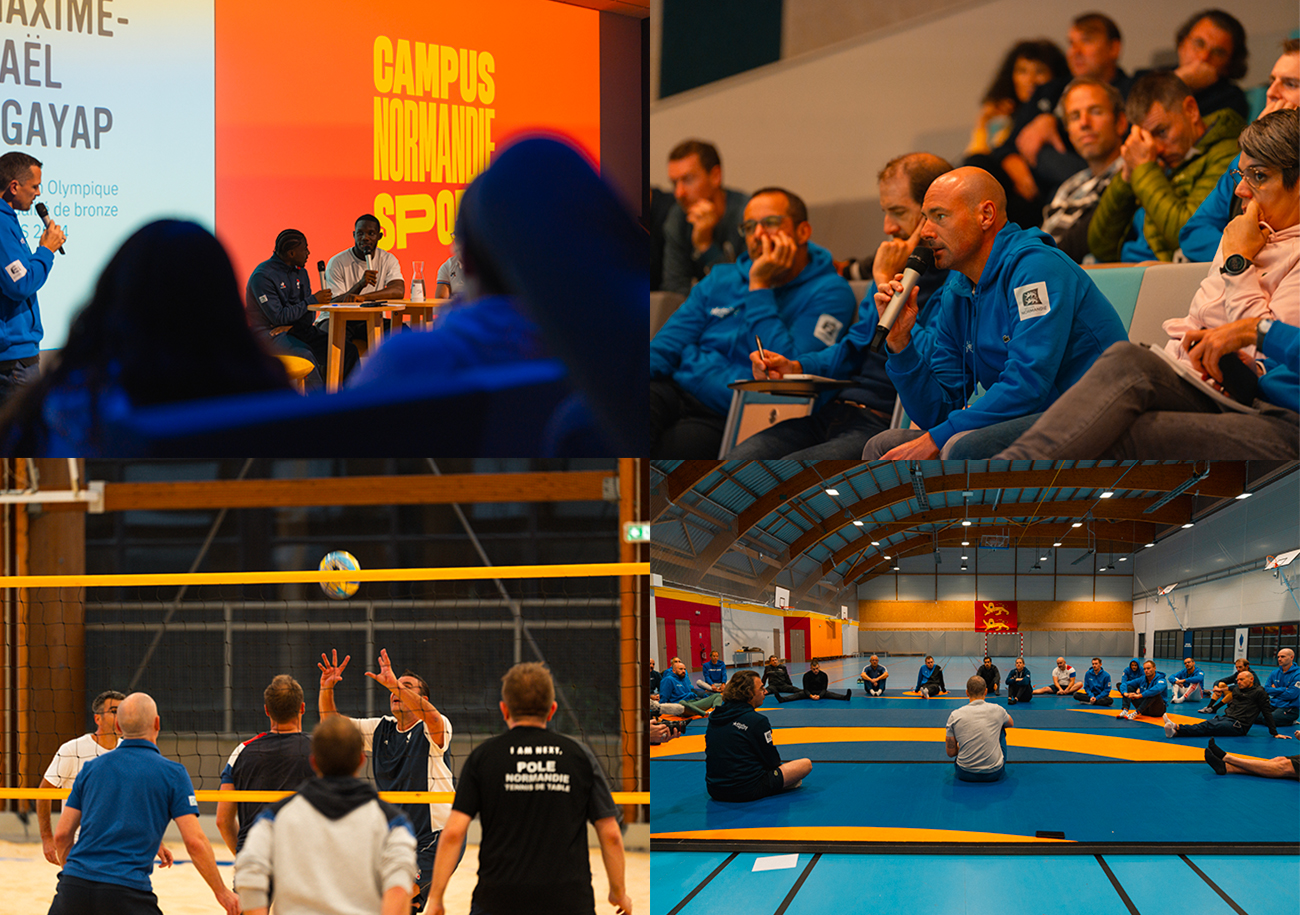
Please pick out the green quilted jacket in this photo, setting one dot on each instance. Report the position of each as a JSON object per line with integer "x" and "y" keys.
{"x": 1168, "y": 199}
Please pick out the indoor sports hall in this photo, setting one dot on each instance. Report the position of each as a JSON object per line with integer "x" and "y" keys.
{"x": 197, "y": 582}
{"x": 833, "y": 562}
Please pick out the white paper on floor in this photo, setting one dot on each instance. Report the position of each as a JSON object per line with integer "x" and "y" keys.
{"x": 775, "y": 863}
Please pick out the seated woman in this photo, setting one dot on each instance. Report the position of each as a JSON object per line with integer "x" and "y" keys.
{"x": 165, "y": 324}
{"x": 1027, "y": 66}
{"x": 1133, "y": 404}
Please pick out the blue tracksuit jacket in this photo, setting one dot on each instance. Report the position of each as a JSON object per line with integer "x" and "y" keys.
{"x": 1130, "y": 676}
{"x": 1283, "y": 687}
{"x": 1029, "y": 330}
{"x": 675, "y": 689}
{"x": 23, "y": 272}
{"x": 1096, "y": 684}
{"x": 714, "y": 673}
{"x": 706, "y": 343}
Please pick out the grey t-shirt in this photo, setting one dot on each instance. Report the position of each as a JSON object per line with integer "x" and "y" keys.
{"x": 977, "y": 728}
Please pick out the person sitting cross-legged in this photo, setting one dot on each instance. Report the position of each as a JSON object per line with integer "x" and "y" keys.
{"x": 1096, "y": 686}
{"x": 741, "y": 762}
{"x": 977, "y": 736}
{"x": 1147, "y": 695}
{"x": 874, "y": 677}
{"x": 1189, "y": 681}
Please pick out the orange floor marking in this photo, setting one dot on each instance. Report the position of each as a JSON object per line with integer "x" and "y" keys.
{"x": 815, "y": 833}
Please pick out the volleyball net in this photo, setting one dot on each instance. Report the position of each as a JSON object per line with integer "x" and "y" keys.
{"x": 206, "y": 645}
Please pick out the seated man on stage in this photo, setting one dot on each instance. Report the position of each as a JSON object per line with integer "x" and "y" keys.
{"x": 977, "y": 736}
{"x": 1063, "y": 680}
{"x": 277, "y": 300}
{"x": 929, "y": 679}
{"x": 741, "y": 763}
{"x": 365, "y": 266}
{"x": 1191, "y": 680}
{"x": 1146, "y": 696}
{"x": 1246, "y": 704}
{"x": 874, "y": 676}
{"x": 1096, "y": 686}
{"x": 814, "y": 687}
{"x": 1229, "y": 764}
{"x": 1019, "y": 686}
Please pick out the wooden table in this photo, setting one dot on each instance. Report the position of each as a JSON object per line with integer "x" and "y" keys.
{"x": 421, "y": 312}
{"x": 371, "y": 314}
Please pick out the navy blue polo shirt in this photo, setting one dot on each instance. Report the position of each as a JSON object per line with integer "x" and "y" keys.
{"x": 126, "y": 799}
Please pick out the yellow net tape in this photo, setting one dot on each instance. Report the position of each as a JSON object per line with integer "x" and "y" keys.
{"x": 393, "y": 797}
{"x": 577, "y": 570}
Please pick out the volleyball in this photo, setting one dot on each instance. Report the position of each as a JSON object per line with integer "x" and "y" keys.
{"x": 333, "y": 562}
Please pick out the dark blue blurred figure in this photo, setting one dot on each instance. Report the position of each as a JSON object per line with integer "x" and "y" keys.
{"x": 537, "y": 217}
{"x": 165, "y": 324}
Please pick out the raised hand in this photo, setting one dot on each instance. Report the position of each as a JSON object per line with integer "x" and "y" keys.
{"x": 385, "y": 676}
{"x": 331, "y": 671}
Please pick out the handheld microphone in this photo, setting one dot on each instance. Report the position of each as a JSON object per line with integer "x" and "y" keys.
{"x": 320, "y": 268}
{"x": 922, "y": 259}
{"x": 44, "y": 213}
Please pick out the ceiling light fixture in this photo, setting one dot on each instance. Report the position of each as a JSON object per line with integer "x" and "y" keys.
{"x": 857, "y": 524}
{"x": 1107, "y": 494}
{"x": 832, "y": 492}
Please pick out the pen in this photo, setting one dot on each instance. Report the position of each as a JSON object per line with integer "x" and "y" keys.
{"x": 761, "y": 355}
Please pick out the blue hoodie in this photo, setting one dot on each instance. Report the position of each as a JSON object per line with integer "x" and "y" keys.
{"x": 706, "y": 343}
{"x": 1281, "y": 383}
{"x": 1283, "y": 687}
{"x": 23, "y": 272}
{"x": 714, "y": 673}
{"x": 1195, "y": 678}
{"x": 1029, "y": 330}
{"x": 673, "y": 688}
{"x": 1157, "y": 686}
{"x": 1130, "y": 677}
{"x": 1096, "y": 683}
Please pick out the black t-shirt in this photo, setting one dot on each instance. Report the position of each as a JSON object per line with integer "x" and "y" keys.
{"x": 534, "y": 792}
{"x": 267, "y": 762}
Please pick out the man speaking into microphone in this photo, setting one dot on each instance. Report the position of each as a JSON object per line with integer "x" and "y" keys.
{"x": 24, "y": 273}
{"x": 1017, "y": 316}
{"x": 364, "y": 273}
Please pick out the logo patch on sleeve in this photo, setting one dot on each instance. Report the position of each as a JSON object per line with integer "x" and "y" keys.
{"x": 194, "y": 801}
{"x": 262, "y": 299}
{"x": 1032, "y": 300}
{"x": 828, "y": 329}
{"x": 16, "y": 271}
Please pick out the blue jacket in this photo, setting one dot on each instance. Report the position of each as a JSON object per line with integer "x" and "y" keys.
{"x": 1130, "y": 677}
{"x": 1096, "y": 683}
{"x": 1029, "y": 330}
{"x": 1283, "y": 688}
{"x": 1195, "y": 678}
{"x": 1158, "y": 686}
{"x": 926, "y": 674}
{"x": 714, "y": 673}
{"x": 706, "y": 343}
{"x": 1200, "y": 236}
{"x": 1016, "y": 676}
{"x": 675, "y": 689}
{"x": 1281, "y": 383}
{"x": 24, "y": 272}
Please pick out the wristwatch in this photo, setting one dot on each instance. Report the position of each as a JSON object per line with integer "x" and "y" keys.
{"x": 1262, "y": 327}
{"x": 1235, "y": 265}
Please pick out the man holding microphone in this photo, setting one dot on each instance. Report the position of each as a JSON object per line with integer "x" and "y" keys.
{"x": 24, "y": 273}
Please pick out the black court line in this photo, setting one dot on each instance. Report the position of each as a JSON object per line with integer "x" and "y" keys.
{"x": 774, "y": 847}
{"x": 1123, "y": 896}
{"x": 1214, "y": 886}
{"x": 705, "y": 882}
{"x": 798, "y": 884}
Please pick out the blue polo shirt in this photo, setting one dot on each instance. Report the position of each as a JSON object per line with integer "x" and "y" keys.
{"x": 126, "y": 799}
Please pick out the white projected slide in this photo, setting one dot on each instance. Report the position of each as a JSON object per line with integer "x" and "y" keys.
{"x": 115, "y": 97}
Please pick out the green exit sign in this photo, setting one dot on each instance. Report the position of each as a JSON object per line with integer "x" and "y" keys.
{"x": 636, "y": 533}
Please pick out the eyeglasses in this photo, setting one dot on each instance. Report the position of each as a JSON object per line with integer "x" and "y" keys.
{"x": 1255, "y": 177}
{"x": 771, "y": 223}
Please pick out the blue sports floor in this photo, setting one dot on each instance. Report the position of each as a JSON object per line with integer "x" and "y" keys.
{"x": 1127, "y": 819}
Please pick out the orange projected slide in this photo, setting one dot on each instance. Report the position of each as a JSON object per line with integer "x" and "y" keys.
{"x": 328, "y": 111}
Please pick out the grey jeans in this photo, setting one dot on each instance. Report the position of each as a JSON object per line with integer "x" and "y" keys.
{"x": 1131, "y": 404}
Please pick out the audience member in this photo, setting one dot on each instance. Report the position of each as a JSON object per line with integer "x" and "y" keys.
{"x": 783, "y": 291}
{"x": 121, "y": 351}
{"x": 1211, "y": 55}
{"x": 977, "y": 736}
{"x": 1230, "y": 764}
{"x": 874, "y": 676}
{"x": 988, "y": 671}
{"x": 1040, "y": 324}
{"x": 929, "y": 679}
{"x": 27, "y": 270}
{"x": 700, "y": 232}
{"x": 776, "y": 678}
{"x": 1063, "y": 680}
{"x": 1132, "y": 674}
{"x": 1171, "y": 160}
{"x": 676, "y": 696}
{"x": 1037, "y": 137}
{"x": 1027, "y": 66}
{"x": 1221, "y": 688}
{"x": 1093, "y": 112}
{"x": 1096, "y": 686}
{"x": 815, "y": 682}
{"x": 1246, "y": 705}
{"x": 713, "y": 676}
{"x": 1133, "y": 402}
{"x": 1191, "y": 680}
{"x": 1020, "y": 687}
{"x": 840, "y": 427}
{"x": 741, "y": 762}
{"x": 1283, "y": 688}
{"x": 1199, "y": 237}
{"x": 1145, "y": 696}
